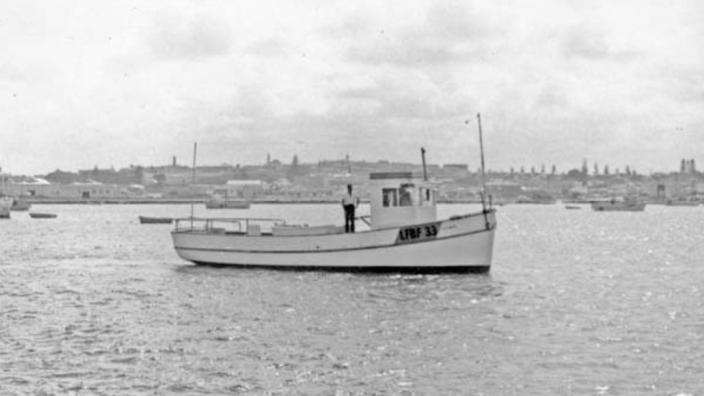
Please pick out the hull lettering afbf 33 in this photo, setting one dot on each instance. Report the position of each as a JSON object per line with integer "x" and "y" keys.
{"x": 421, "y": 232}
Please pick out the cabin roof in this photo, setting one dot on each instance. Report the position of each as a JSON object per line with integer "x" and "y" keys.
{"x": 390, "y": 175}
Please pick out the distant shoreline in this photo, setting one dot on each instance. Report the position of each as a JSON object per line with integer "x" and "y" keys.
{"x": 180, "y": 201}
{"x": 202, "y": 201}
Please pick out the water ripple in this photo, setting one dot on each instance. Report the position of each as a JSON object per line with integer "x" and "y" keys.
{"x": 578, "y": 302}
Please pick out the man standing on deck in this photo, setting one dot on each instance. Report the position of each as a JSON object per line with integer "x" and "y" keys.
{"x": 349, "y": 203}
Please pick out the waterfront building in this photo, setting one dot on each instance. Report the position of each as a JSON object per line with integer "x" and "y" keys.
{"x": 247, "y": 189}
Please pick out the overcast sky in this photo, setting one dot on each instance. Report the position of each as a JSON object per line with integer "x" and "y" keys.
{"x": 86, "y": 83}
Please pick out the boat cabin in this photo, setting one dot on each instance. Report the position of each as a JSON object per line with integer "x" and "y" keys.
{"x": 398, "y": 199}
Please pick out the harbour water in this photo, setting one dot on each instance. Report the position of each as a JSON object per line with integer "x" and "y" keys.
{"x": 577, "y": 303}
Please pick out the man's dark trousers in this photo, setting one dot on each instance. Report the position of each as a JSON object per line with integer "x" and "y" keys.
{"x": 349, "y": 218}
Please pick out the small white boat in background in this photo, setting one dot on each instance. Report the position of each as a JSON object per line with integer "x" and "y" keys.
{"x": 5, "y": 205}
{"x": 20, "y": 205}
{"x": 219, "y": 202}
{"x": 630, "y": 204}
{"x": 404, "y": 235}
{"x": 682, "y": 202}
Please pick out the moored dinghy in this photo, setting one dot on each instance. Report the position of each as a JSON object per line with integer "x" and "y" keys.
{"x": 36, "y": 215}
{"x": 155, "y": 220}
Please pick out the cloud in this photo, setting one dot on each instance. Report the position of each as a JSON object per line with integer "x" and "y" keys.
{"x": 449, "y": 32}
{"x": 272, "y": 47}
{"x": 589, "y": 43}
{"x": 689, "y": 86}
{"x": 554, "y": 80}
{"x": 456, "y": 21}
{"x": 402, "y": 94}
{"x": 12, "y": 73}
{"x": 178, "y": 36}
{"x": 552, "y": 97}
{"x": 361, "y": 22}
{"x": 409, "y": 51}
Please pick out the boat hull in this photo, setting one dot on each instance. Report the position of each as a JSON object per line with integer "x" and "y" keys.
{"x": 155, "y": 220}
{"x": 5, "y": 205}
{"x": 682, "y": 203}
{"x": 35, "y": 215}
{"x": 460, "y": 244}
{"x": 613, "y": 207}
{"x": 20, "y": 206}
{"x": 227, "y": 205}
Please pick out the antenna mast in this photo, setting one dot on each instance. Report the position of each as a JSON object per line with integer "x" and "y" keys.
{"x": 481, "y": 151}
{"x": 193, "y": 180}
{"x": 425, "y": 171}
{"x": 195, "y": 148}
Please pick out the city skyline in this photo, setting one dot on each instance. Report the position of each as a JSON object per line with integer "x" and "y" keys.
{"x": 684, "y": 165}
{"x": 119, "y": 83}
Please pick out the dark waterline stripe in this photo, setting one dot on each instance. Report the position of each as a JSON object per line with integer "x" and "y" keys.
{"x": 458, "y": 269}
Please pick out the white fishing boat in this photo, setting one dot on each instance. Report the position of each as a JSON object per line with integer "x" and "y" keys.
{"x": 404, "y": 235}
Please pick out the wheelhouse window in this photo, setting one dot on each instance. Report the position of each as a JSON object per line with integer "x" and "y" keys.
{"x": 389, "y": 197}
{"x": 426, "y": 196}
{"x": 406, "y": 195}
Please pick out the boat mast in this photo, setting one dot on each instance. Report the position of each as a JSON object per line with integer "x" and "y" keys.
{"x": 193, "y": 180}
{"x": 481, "y": 152}
{"x": 425, "y": 171}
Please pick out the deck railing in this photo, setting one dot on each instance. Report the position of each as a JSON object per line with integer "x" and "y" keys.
{"x": 223, "y": 225}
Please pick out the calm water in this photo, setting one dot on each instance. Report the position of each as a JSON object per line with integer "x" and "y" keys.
{"x": 577, "y": 303}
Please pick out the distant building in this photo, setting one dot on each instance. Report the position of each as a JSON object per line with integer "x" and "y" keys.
{"x": 503, "y": 188}
{"x": 674, "y": 187}
{"x": 125, "y": 176}
{"x": 90, "y": 190}
{"x": 244, "y": 188}
{"x": 577, "y": 189}
{"x": 462, "y": 167}
{"x": 26, "y": 186}
{"x": 688, "y": 166}
{"x": 85, "y": 190}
